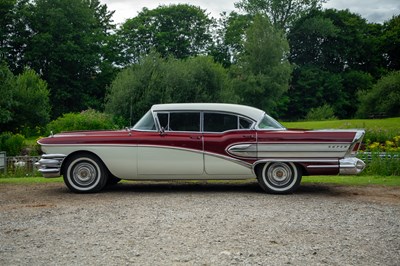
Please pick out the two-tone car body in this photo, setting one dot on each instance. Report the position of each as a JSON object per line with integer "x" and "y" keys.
{"x": 200, "y": 141}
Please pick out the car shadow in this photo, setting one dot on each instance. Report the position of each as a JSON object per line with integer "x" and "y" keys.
{"x": 212, "y": 186}
{"x": 179, "y": 186}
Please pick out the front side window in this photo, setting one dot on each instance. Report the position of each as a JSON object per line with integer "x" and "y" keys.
{"x": 180, "y": 121}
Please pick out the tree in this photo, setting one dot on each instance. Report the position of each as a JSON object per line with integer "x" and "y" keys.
{"x": 67, "y": 46}
{"x": 282, "y": 13}
{"x": 391, "y": 42}
{"x": 14, "y": 32}
{"x": 177, "y": 30}
{"x": 353, "y": 83}
{"x": 6, "y": 92}
{"x": 263, "y": 72}
{"x": 384, "y": 97}
{"x": 313, "y": 87}
{"x": 32, "y": 105}
{"x": 157, "y": 80}
{"x": 24, "y": 102}
{"x": 6, "y": 7}
{"x": 336, "y": 40}
{"x": 308, "y": 38}
{"x": 230, "y": 35}
{"x": 339, "y": 50}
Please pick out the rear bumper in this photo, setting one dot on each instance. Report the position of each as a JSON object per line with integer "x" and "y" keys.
{"x": 50, "y": 165}
{"x": 351, "y": 166}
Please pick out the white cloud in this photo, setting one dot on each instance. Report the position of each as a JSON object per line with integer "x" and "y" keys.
{"x": 373, "y": 10}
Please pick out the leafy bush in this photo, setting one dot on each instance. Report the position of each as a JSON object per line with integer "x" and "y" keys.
{"x": 12, "y": 144}
{"x": 321, "y": 113}
{"x": 86, "y": 120}
{"x": 383, "y": 98}
{"x": 384, "y": 157}
{"x": 382, "y": 164}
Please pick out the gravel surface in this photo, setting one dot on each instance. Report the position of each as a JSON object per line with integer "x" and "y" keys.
{"x": 199, "y": 224}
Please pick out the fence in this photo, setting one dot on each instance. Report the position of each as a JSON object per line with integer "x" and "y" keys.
{"x": 3, "y": 161}
{"x": 367, "y": 157}
{"x": 21, "y": 165}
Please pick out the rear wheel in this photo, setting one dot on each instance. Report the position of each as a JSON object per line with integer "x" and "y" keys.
{"x": 279, "y": 177}
{"x": 85, "y": 173}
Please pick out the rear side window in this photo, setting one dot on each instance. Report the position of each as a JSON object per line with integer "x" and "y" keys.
{"x": 245, "y": 123}
{"x": 216, "y": 122}
{"x": 219, "y": 122}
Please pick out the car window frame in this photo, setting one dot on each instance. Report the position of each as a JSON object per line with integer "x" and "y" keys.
{"x": 156, "y": 125}
{"x": 238, "y": 117}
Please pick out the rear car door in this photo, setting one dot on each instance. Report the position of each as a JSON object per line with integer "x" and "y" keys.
{"x": 221, "y": 131}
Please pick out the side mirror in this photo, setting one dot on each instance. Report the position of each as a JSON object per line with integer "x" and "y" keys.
{"x": 129, "y": 130}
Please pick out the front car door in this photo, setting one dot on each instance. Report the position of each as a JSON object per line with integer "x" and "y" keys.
{"x": 176, "y": 152}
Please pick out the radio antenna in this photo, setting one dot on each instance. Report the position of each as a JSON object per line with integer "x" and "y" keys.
{"x": 130, "y": 118}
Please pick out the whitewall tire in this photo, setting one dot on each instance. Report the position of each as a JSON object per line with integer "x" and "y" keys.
{"x": 84, "y": 173}
{"x": 279, "y": 177}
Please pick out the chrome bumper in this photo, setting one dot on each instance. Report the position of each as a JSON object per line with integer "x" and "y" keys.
{"x": 351, "y": 166}
{"x": 50, "y": 165}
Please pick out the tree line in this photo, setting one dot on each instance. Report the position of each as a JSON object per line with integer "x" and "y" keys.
{"x": 291, "y": 58}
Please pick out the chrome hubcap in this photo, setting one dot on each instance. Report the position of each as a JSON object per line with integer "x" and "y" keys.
{"x": 279, "y": 174}
{"x": 84, "y": 174}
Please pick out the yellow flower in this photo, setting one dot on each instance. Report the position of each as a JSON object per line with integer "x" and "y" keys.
{"x": 389, "y": 144}
{"x": 374, "y": 145}
{"x": 397, "y": 140}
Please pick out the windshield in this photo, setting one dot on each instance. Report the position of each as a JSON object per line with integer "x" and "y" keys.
{"x": 146, "y": 122}
{"x": 268, "y": 122}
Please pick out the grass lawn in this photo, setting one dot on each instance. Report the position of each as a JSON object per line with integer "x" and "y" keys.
{"x": 389, "y": 124}
{"x": 340, "y": 180}
{"x": 354, "y": 180}
{"x": 29, "y": 180}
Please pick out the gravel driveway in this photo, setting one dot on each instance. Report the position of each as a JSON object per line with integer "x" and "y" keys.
{"x": 199, "y": 224}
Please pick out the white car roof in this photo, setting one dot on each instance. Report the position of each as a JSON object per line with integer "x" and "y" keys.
{"x": 251, "y": 112}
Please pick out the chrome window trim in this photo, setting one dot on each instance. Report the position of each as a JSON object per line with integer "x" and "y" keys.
{"x": 238, "y": 116}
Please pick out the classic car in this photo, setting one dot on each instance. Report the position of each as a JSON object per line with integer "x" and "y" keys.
{"x": 200, "y": 141}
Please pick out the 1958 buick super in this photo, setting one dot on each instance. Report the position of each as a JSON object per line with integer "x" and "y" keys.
{"x": 200, "y": 141}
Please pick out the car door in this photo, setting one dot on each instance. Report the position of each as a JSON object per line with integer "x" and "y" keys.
{"x": 176, "y": 151}
{"x": 221, "y": 131}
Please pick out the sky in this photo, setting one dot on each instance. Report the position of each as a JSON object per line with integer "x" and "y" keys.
{"x": 376, "y": 11}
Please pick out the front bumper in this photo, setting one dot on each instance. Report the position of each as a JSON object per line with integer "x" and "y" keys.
{"x": 351, "y": 166}
{"x": 50, "y": 165}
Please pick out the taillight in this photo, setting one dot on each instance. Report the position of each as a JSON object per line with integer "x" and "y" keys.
{"x": 356, "y": 144}
{"x": 356, "y": 147}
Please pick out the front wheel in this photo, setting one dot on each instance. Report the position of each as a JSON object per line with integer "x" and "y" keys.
{"x": 85, "y": 173}
{"x": 279, "y": 177}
